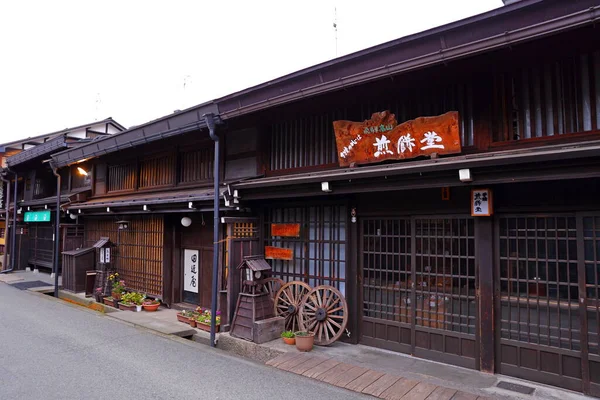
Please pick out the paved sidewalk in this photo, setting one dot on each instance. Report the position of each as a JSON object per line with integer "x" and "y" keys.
{"x": 365, "y": 380}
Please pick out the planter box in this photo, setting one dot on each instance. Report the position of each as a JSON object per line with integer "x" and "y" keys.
{"x": 183, "y": 319}
{"x": 126, "y": 307}
{"x": 206, "y": 327}
{"x": 109, "y": 301}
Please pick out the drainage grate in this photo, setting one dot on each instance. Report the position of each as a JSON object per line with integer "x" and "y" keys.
{"x": 515, "y": 387}
{"x": 30, "y": 284}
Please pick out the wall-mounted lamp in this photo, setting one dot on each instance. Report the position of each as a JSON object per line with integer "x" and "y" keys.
{"x": 325, "y": 187}
{"x": 28, "y": 208}
{"x": 186, "y": 221}
{"x": 353, "y": 215}
{"x": 107, "y": 209}
{"x": 73, "y": 216}
{"x": 465, "y": 175}
{"x": 146, "y": 208}
{"x": 123, "y": 224}
{"x": 45, "y": 206}
{"x": 82, "y": 171}
{"x": 19, "y": 210}
{"x": 190, "y": 205}
{"x": 79, "y": 211}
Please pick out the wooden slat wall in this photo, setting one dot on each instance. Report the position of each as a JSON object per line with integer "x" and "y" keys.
{"x": 139, "y": 253}
{"x": 157, "y": 171}
{"x": 547, "y": 99}
{"x": 122, "y": 177}
{"x": 196, "y": 165}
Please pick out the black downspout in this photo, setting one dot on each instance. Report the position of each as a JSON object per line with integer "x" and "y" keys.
{"x": 7, "y": 219}
{"x": 56, "y": 229}
{"x": 210, "y": 123}
{"x": 13, "y": 239}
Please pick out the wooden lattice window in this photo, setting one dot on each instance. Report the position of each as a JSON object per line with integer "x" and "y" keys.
{"x": 244, "y": 230}
{"x": 196, "y": 165}
{"x": 304, "y": 142}
{"x": 548, "y": 99}
{"x": 157, "y": 171}
{"x": 122, "y": 177}
{"x": 138, "y": 256}
{"x": 320, "y": 251}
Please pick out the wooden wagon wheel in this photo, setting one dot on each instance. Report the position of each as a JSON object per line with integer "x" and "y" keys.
{"x": 287, "y": 303}
{"x": 324, "y": 311}
{"x": 272, "y": 286}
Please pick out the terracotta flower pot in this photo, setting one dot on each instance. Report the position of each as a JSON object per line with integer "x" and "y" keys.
{"x": 116, "y": 296}
{"x": 109, "y": 301}
{"x": 151, "y": 307}
{"x": 193, "y": 323}
{"x": 126, "y": 307}
{"x": 305, "y": 341}
{"x": 182, "y": 318}
{"x": 206, "y": 327}
{"x": 289, "y": 340}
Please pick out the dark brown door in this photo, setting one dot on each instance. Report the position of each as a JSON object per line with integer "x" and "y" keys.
{"x": 547, "y": 299}
{"x": 419, "y": 293}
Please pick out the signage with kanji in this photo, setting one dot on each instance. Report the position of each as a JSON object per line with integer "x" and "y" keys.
{"x": 481, "y": 203}
{"x": 190, "y": 271}
{"x": 37, "y": 216}
{"x": 381, "y": 138}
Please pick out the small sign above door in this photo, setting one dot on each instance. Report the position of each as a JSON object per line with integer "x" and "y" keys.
{"x": 381, "y": 138}
{"x": 190, "y": 271}
{"x": 481, "y": 203}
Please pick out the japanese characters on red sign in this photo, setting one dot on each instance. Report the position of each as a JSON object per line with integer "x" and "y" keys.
{"x": 381, "y": 138}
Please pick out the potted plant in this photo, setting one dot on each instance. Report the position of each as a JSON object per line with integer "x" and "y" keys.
{"x": 288, "y": 337}
{"x": 203, "y": 320}
{"x": 127, "y": 302}
{"x": 184, "y": 316}
{"x": 118, "y": 286}
{"x": 109, "y": 301}
{"x": 137, "y": 299}
{"x": 305, "y": 340}
{"x": 151, "y": 305}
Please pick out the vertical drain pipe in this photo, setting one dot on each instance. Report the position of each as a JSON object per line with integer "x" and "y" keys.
{"x": 210, "y": 123}
{"x": 56, "y": 229}
{"x": 7, "y": 221}
{"x": 13, "y": 234}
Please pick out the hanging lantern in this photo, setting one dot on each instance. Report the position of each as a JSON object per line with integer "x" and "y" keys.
{"x": 186, "y": 221}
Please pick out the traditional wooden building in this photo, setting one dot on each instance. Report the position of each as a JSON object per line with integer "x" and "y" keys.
{"x": 484, "y": 256}
{"x": 35, "y": 196}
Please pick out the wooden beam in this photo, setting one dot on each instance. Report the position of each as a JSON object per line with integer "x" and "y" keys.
{"x": 484, "y": 234}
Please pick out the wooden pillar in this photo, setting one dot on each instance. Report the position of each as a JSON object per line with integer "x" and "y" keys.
{"x": 353, "y": 278}
{"x": 484, "y": 233}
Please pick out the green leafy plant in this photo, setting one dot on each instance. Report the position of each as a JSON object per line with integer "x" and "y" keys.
{"x": 288, "y": 334}
{"x": 133, "y": 298}
{"x": 303, "y": 334}
{"x": 204, "y": 316}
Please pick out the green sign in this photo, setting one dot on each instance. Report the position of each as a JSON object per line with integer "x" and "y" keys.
{"x": 37, "y": 216}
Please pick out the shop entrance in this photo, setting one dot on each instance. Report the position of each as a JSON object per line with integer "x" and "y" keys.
{"x": 419, "y": 287}
{"x": 548, "y": 304}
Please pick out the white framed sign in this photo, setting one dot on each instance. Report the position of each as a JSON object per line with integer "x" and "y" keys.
{"x": 190, "y": 270}
{"x": 481, "y": 203}
{"x": 107, "y": 255}
{"x": 102, "y": 255}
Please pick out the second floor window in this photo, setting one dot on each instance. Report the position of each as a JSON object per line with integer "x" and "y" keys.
{"x": 547, "y": 99}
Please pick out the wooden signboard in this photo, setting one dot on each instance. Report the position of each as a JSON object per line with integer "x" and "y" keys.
{"x": 278, "y": 253}
{"x": 285, "y": 230}
{"x": 381, "y": 138}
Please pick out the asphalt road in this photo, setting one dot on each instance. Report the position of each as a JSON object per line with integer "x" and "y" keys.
{"x": 53, "y": 350}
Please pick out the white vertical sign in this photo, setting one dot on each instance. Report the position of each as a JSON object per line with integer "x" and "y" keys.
{"x": 190, "y": 271}
{"x": 481, "y": 203}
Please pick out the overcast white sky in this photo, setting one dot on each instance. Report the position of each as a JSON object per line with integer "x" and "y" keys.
{"x": 66, "y": 63}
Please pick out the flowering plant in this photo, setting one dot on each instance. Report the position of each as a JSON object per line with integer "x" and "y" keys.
{"x": 118, "y": 285}
{"x": 204, "y": 316}
{"x": 133, "y": 298}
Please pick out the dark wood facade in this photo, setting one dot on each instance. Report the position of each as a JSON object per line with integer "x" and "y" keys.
{"x": 515, "y": 293}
